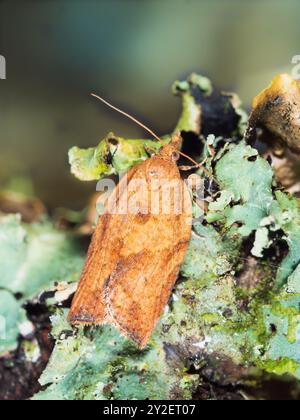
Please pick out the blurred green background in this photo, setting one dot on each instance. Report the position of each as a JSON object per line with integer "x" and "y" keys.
{"x": 129, "y": 51}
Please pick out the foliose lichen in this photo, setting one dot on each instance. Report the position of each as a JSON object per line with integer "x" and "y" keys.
{"x": 210, "y": 320}
{"x": 33, "y": 258}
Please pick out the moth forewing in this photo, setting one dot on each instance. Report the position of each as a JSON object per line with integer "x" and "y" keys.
{"x": 149, "y": 262}
{"x": 134, "y": 258}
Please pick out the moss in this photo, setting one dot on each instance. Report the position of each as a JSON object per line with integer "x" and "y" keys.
{"x": 281, "y": 366}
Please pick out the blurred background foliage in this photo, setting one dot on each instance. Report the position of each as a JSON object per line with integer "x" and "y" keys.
{"x": 129, "y": 51}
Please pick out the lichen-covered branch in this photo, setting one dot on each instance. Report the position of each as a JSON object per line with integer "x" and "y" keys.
{"x": 216, "y": 316}
{"x": 234, "y": 314}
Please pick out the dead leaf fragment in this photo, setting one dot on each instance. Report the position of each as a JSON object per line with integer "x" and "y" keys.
{"x": 277, "y": 111}
{"x": 287, "y": 171}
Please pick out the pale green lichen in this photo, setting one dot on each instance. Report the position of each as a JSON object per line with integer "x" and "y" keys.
{"x": 113, "y": 155}
{"x": 251, "y": 196}
{"x": 12, "y": 316}
{"x": 282, "y": 316}
{"x": 209, "y": 255}
{"x": 33, "y": 258}
{"x": 204, "y": 83}
{"x": 116, "y": 155}
{"x": 286, "y": 217}
{"x": 262, "y": 242}
{"x": 243, "y": 115}
{"x": 190, "y": 119}
{"x": 98, "y": 363}
{"x": 293, "y": 285}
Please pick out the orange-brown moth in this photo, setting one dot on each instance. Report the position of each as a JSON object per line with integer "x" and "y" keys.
{"x": 134, "y": 258}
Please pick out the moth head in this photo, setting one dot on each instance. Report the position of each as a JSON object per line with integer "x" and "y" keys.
{"x": 171, "y": 150}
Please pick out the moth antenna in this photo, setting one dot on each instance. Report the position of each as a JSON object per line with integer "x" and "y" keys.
{"x": 197, "y": 164}
{"x": 190, "y": 159}
{"x": 128, "y": 116}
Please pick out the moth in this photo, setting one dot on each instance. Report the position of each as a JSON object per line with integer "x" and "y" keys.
{"x": 135, "y": 257}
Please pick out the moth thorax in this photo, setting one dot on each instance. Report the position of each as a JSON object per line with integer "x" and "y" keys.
{"x": 170, "y": 152}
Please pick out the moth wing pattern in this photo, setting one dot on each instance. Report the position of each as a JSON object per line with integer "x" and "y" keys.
{"x": 149, "y": 263}
{"x": 134, "y": 258}
{"x": 88, "y": 305}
